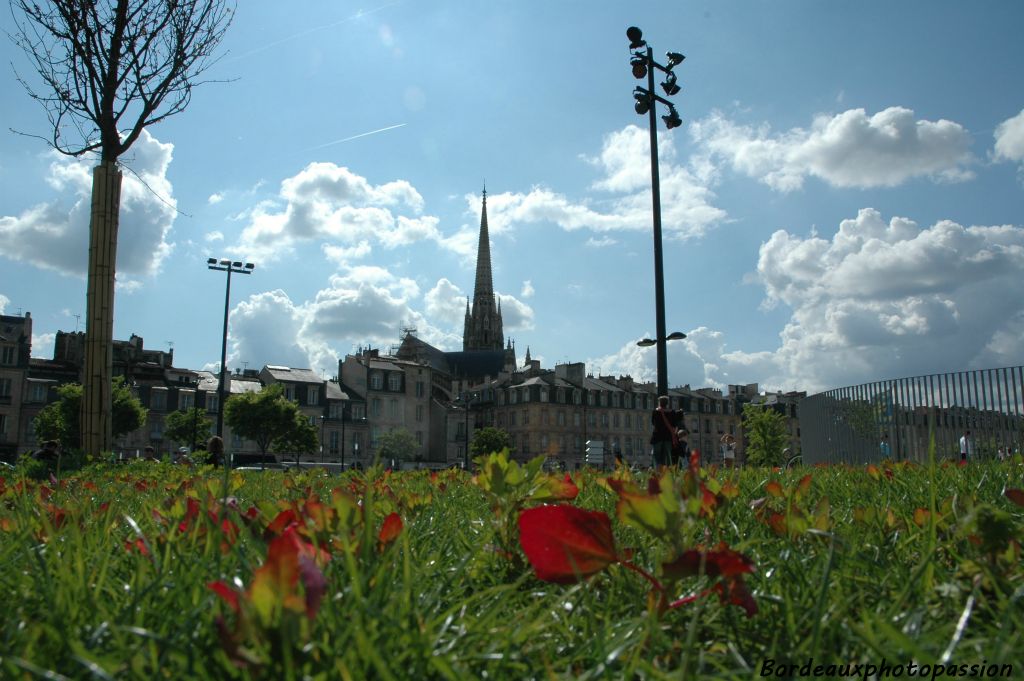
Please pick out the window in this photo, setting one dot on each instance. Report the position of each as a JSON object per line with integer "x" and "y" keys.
{"x": 561, "y": 418}
{"x": 212, "y": 402}
{"x": 333, "y": 441}
{"x": 394, "y": 409}
{"x": 394, "y": 382}
{"x": 156, "y": 431}
{"x": 590, "y": 399}
{"x": 421, "y": 389}
{"x": 5, "y": 387}
{"x": 374, "y": 436}
{"x": 512, "y": 418}
{"x": 419, "y": 412}
{"x": 357, "y": 411}
{"x": 526, "y": 417}
{"x": 576, "y": 419}
{"x": 375, "y": 406}
{"x": 289, "y": 393}
{"x": 158, "y": 399}
{"x": 236, "y": 440}
{"x": 186, "y": 400}
{"x": 376, "y": 380}
{"x": 419, "y": 437}
{"x": 543, "y": 394}
{"x": 591, "y": 421}
{"x": 37, "y": 393}
{"x": 7, "y": 355}
{"x": 313, "y": 395}
{"x": 3, "y": 424}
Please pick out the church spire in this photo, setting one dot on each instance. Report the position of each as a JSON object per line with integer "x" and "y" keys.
{"x": 484, "y": 285}
{"x": 483, "y": 329}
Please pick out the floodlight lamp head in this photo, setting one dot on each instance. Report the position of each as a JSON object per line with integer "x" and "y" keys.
{"x": 237, "y": 265}
{"x": 647, "y": 342}
{"x": 674, "y": 59}
{"x": 643, "y": 102}
{"x": 672, "y": 119}
{"x": 211, "y": 261}
{"x": 249, "y": 266}
{"x": 225, "y": 262}
{"x": 636, "y": 37}
{"x": 639, "y": 64}
{"x": 669, "y": 86}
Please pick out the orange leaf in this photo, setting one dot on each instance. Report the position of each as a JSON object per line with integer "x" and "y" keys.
{"x": 773, "y": 488}
{"x": 391, "y": 528}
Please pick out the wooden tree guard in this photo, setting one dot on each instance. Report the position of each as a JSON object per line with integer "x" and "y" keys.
{"x": 97, "y": 408}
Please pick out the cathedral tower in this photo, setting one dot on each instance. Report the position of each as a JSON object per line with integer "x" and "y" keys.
{"x": 483, "y": 329}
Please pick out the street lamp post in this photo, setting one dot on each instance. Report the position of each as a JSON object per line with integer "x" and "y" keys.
{"x": 468, "y": 400}
{"x": 229, "y": 267}
{"x": 642, "y": 61}
{"x": 342, "y": 436}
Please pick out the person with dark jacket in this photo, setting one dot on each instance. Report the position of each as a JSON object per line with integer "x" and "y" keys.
{"x": 665, "y": 438}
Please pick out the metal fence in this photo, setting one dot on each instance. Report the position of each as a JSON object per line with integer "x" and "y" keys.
{"x": 895, "y": 419}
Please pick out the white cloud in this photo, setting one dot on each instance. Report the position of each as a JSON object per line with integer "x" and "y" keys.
{"x": 877, "y": 300}
{"x": 214, "y": 199}
{"x": 55, "y": 235}
{"x": 515, "y": 314}
{"x": 331, "y": 203}
{"x": 527, "y": 291}
{"x": 850, "y": 149}
{"x": 42, "y": 345}
{"x": 603, "y": 242}
{"x": 446, "y": 303}
{"x": 215, "y": 235}
{"x": 4, "y": 302}
{"x": 1009, "y": 136}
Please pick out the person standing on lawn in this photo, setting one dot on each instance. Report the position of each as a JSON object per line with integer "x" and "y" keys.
{"x": 215, "y": 447}
{"x": 966, "y": 446}
{"x": 665, "y": 439}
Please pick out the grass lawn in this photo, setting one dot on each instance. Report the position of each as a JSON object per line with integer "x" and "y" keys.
{"x": 152, "y": 571}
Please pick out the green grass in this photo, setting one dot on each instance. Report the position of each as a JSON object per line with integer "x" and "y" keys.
{"x": 440, "y": 602}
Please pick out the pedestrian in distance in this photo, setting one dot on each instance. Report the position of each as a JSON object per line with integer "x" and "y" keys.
{"x": 50, "y": 452}
{"x": 665, "y": 438}
{"x": 728, "y": 450}
{"x": 149, "y": 454}
{"x": 215, "y": 447}
{"x": 966, "y": 446}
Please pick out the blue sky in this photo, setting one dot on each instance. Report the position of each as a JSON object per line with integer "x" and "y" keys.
{"x": 843, "y": 202}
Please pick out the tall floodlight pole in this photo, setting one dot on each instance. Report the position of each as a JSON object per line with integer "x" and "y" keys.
{"x": 229, "y": 267}
{"x": 643, "y": 64}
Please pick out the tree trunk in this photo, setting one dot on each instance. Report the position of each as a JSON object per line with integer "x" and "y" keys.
{"x": 97, "y": 407}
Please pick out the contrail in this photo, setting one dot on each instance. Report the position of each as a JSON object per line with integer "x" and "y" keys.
{"x": 355, "y": 137}
{"x": 357, "y": 15}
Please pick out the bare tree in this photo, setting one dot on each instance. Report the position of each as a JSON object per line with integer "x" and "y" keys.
{"x": 109, "y": 69}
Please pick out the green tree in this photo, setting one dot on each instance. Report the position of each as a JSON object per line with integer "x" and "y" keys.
{"x": 188, "y": 427}
{"x": 765, "y": 432}
{"x": 61, "y": 420}
{"x": 397, "y": 444}
{"x": 301, "y": 438}
{"x": 263, "y": 417}
{"x": 489, "y": 440}
{"x": 106, "y": 72}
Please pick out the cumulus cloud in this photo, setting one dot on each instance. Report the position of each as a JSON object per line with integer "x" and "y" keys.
{"x": 1009, "y": 136}
{"x": 880, "y": 299}
{"x": 527, "y": 290}
{"x": 332, "y": 204}
{"x": 849, "y": 149}
{"x": 4, "y": 302}
{"x": 515, "y": 314}
{"x": 55, "y": 235}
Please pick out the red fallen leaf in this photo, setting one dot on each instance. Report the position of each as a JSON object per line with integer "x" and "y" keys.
{"x": 720, "y": 562}
{"x": 45, "y": 492}
{"x": 137, "y": 544}
{"x": 1015, "y": 495}
{"x": 773, "y": 488}
{"x": 278, "y": 525}
{"x": 736, "y": 592}
{"x": 390, "y": 530}
{"x": 91, "y": 486}
{"x": 229, "y": 595}
{"x": 803, "y": 485}
{"x": 565, "y": 544}
{"x": 921, "y": 516}
{"x": 872, "y": 471}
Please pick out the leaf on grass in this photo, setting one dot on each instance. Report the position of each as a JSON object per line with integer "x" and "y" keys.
{"x": 774, "y": 489}
{"x": 551, "y": 488}
{"x": 229, "y": 595}
{"x": 565, "y": 544}
{"x": 390, "y": 529}
{"x": 1015, "y": 495}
